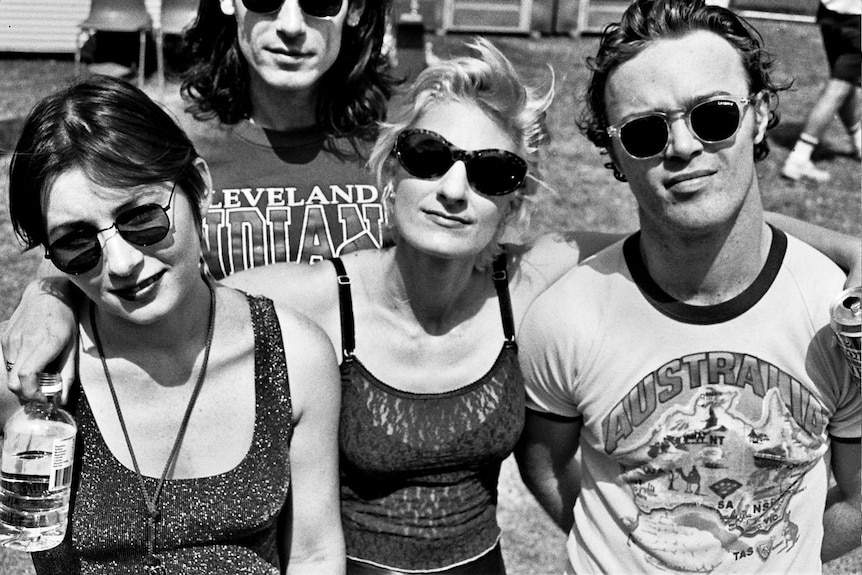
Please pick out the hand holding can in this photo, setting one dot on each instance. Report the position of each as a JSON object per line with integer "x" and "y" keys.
{"x": 845, "y": 315}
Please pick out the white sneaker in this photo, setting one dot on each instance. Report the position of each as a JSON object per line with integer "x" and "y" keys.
{"x": 798, "y": 169}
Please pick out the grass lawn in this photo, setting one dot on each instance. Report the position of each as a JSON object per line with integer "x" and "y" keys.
{"x": 591, "y": 199}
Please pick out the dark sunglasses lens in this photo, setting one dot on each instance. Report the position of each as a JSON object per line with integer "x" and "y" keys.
{"x": 321, "y": 8}
{"x": 423, "y": 155}
{"x": 79, "y": 252}
{"x": 644, "y": 137}
{"x": 496, "y": 173}
{"x": 262, "y": 6}
{"x": 715, "y": 121}
{"x": 144, "y": 225}
{"x": 75, "y": 258}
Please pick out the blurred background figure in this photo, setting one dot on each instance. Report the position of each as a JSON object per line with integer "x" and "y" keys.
{"x": 839, "y": 25}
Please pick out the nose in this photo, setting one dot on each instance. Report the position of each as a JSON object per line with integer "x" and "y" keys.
{"x": 682, "y": 142}
{"x": 290, "y": 20}
{"x": 454, "y": 184}
{"x": 119, "y": 256}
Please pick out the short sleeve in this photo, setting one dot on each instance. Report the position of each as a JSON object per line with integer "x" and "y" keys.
{"x": 831, "y": 371}
{"x": 546, "y": 345}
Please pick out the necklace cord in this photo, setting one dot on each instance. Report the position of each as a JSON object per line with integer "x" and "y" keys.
{"x": 151, "y": 503}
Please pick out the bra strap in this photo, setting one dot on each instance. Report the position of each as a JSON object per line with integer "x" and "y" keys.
{"x": 345, "y": 300}
{"x": 501, "y": 284}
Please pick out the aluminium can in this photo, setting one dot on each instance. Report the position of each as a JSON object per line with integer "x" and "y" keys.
{"x": 845, "y": 318}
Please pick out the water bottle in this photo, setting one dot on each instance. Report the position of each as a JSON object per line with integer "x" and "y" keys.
{"x": 36, "y": 472}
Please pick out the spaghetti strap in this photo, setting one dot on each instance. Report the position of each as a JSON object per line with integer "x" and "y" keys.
{"x": 501, "y": 284}
{"x": 345, "y": 300}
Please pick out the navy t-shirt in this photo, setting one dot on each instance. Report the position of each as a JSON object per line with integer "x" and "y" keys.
{"x": 285, "y": 197}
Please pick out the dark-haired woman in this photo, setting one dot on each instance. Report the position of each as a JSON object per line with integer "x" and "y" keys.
{"x": 207, "y": 417}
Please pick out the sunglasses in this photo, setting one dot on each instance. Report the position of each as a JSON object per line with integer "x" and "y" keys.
{"x": 315, "y": 8}
{"x": 427, "y": 155}
{"x": 711, "y": 121}
{"x": 79, "y": 251}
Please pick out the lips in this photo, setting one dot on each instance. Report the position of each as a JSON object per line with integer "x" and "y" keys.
{"x": 136, "y": 291}
{"x": 686, "y": 180}
{"x": 291, "y": 53}
{"x": 443, "y": 217}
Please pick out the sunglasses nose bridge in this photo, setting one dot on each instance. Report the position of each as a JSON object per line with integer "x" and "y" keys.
{"x": 682, "y": 141}
{"x": 455, "y": 182}
{"x": 290, "y": 17}
{"x": 120, "y": 256}
{"x": 106, "y": 234}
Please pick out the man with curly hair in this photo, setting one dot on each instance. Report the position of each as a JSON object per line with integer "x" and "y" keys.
{"x": 691, "y": 364}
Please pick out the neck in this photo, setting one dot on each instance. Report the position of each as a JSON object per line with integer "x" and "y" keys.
{"x": 186, "y": 327}
{"x": 283, "y": 110}
{"x": 434, "y": 290}
{"x": 710, "y": 267}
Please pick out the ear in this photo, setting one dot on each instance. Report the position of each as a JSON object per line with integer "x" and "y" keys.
{"x": 204, "y": 171}
{"x": 614, "y": 164}
{"x": 389, "y": 191}
{"x": 355, "y": 9}
{"x": 227, "y": 7}
{"x": 761, "y": 116}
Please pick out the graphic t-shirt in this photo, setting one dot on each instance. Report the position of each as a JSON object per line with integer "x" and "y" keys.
{"x": 284, "y": 197}
{"x": 704, "y": 427}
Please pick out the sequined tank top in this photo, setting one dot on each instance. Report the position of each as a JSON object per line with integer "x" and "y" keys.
{"x": 419, "y": 470}
{"x": 219, "y": 525}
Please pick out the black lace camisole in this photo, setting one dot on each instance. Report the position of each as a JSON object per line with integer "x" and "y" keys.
{"x": 419, "y": 470}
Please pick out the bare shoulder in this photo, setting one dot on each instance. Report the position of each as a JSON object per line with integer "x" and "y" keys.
{"x": 307, "y": 288}
{"x": 311, "y": 361}
{"x": 543, "y": 263}
{"x": 301, "y": 332}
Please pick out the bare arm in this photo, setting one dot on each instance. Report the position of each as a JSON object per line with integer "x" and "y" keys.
{"x": 310, "y": 290}
{"x": 41, "y": 334}
{"x": 844, "y": 250}
{"x": 842, "y": 520}
{"x": 8, "y": 400}
{"x": 312, "y": 539}
{"x": 546, "y": 460}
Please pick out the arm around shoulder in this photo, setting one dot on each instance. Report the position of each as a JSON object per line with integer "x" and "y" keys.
{"x": 41, "y": 332}
{"x": 309, "y": 289}
{"x": 313, "y": 540}
{"x": 843, "y": 249}
{"x": 8, "y": 400}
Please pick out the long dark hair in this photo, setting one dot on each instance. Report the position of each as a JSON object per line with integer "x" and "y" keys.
{"x": 354, "y": 92}
{"x": 111, "y": 131}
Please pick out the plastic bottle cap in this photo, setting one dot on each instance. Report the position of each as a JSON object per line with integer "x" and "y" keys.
{"x": 50, "y": 383}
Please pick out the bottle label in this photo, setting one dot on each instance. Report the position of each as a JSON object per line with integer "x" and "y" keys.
{"x": 48, "y": 458}
{"x": 61, "y": 463}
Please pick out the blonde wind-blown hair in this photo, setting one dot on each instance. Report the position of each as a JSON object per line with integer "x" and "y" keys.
{"x": 490, "y": 81}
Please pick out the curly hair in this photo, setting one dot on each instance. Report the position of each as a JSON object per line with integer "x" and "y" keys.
{"x": 490, "y": 81}
{"x": 111, "y": 131}
{"x": 647, "y": 21}
{"x": 354, "y": 92}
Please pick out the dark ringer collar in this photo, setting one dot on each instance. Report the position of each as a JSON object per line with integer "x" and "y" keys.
{"x": 705, "y": 314}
